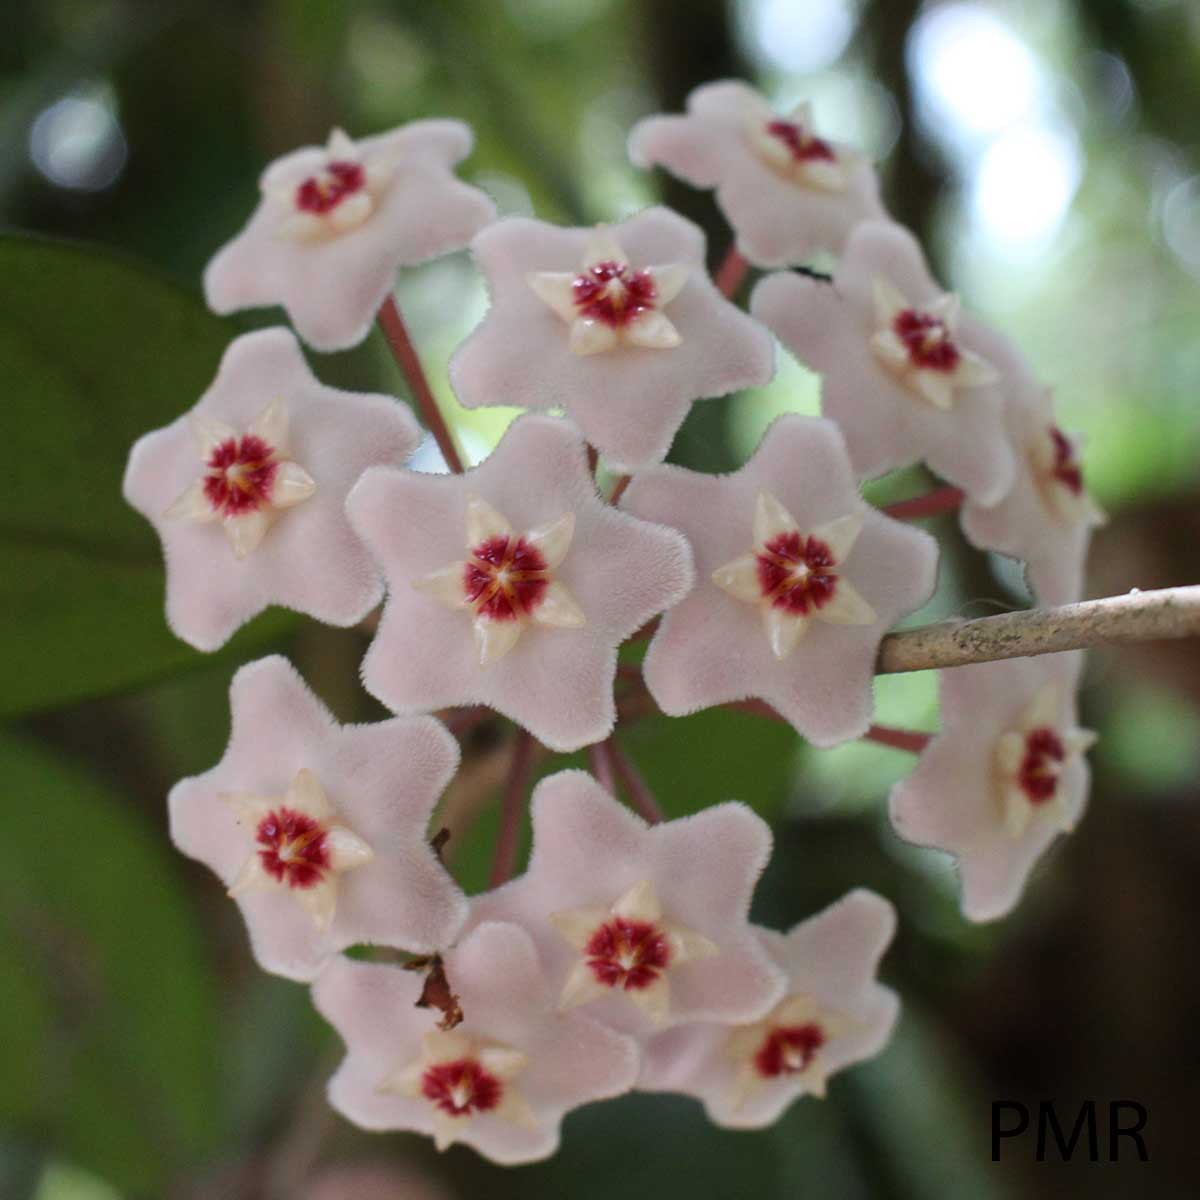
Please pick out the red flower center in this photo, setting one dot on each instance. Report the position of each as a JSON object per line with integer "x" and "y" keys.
{"x": 461, "y": 1088}
{"x": 627, "y": 954}
{"x": 789, "y": 1049}
{"x": 330, "y": 186}
{"x": 613, "y": 293}
{"x": 240, "y": 475}
{"x": 927, "y": 339}
{"x": 804, "y": 146}
{"x": 294, "y": 847}
{"x": 505, "y": 578}
{"x": 796, "y": 572}
{"x": 1038, "y": 774}
{"x": 1066, "y": 466}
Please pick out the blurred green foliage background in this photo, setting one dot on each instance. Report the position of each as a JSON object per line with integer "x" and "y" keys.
{"x": 1047, "y": 153}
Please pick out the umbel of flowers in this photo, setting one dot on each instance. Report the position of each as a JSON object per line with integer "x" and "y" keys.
{"x": 623, "y": 957}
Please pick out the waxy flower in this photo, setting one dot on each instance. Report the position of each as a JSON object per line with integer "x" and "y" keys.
{"x": 501, "y": 1081}
{"x": 641, "y": 926}
{"x": 833, "y": 1015}
{"x": 788, "y": 192}
{"x": 1047, "y": 517}
{"x": 247, "y": 491}
{"x": 320, "y": 831}
{"x": 1003, "y": 779}
{"x": 512, "y": 585}
{"x": 621, "y": 326}
{"x": 798, "y": 581}
{"x": 901, "y": 372}
{"x": 335, "y": 223}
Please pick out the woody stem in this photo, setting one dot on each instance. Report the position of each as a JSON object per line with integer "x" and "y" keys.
{"x": 395, "y": 332}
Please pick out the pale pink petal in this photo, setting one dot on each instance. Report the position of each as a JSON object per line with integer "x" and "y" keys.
{"x": 568, "y": 1059}
{"x": 381, "y": 781}
{"x": 309, "y": 559}
{"x": 777, "y": 222}
{"x": 332, "y": 287}
{"x": 711, "y": 648}
{"x": 589, "y": 852}
{"x": 629, "y": 400}
{"x": 829, "y": 326}
{"x": 832, "y": 959}
{"x": 556, "y": 681}
{"x": 951, "y": 800}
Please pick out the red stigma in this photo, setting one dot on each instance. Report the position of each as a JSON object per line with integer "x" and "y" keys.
{"x": 324, "y": 191}
{"x": 789, "y": 1049}
{"x": 804, "y": 147}
{"x": 627, "y": 954}
{"x": 294, "y": 849}
{"x": 240, "y": 474}
{"x": 927, "y": 339}
{"x": 797, "y": 591}
{"x": 1038, "y": 774}
{"x": 1066, "y": 466}
{"x": 613, "y": 294}
{"x": 505, "y": 578}
{"x": 461, "y": 1088}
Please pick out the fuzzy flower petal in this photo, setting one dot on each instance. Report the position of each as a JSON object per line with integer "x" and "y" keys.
{"x": 1047, "y": 517}
{"x": 321, "y": 830}
{"x": 501, "y": 1081}
{"x": 625, "y": 354}
{"x": 242, "y": 529}
{"x": 1003, "y": 779}
{"x": 336, "y": 223}
{"x": 788, "y": 193}
{"x": 834, "y": 1014}
{"x": 483, "y": 605}
{"x": 641, "y": 926}
{"x": 903, "y": 373}
{"x": 798, "y": 581}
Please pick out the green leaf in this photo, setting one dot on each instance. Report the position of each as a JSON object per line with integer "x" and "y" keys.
{"x": 108, "y": 1010}
{"x": 94, "y": 351}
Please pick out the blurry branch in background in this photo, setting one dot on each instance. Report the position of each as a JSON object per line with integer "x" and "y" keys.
{"x": 1136, "y": 617}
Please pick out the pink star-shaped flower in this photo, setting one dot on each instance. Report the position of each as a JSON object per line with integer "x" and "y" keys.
{"x": 787, "y": 192}
{"x": 833, "y": 1015}
{"x": 512, "y": 585}
{"x": 798, "y": 581}
{"x": 1003, "y": 779}
{"x": 900, "y": 370}
{"x": 318, "y": 830}
{"x": 336, "y": 222}
{"x": 247, "y": 490}
{"x": 621, "y": 326}
{"x": 501, "y": 1081}
{"x": 1047, "y": 517}
{"x": 641, "y": 926}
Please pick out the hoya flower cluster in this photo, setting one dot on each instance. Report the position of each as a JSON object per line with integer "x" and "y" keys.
{"x": 623, "y": 957}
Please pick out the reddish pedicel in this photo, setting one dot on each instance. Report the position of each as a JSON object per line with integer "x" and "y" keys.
{"x": 294, "y": 848}
{"x": 929, "y": 343}
{"x": 627, "y": 954}
{"x": 240, "y": 475}
{"x": 461, "y": 1088}
{"x": 1039, "y": 774}
{"x": 1066, "y": 466}
{"x": 323, "y": 192}
{"x": 796, "y": 591}
{"x": 611, "y": 293}
{"x": 804, "y": 147}
{"x": 505, "y": 578}
{"x": 789, "y": 1049}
